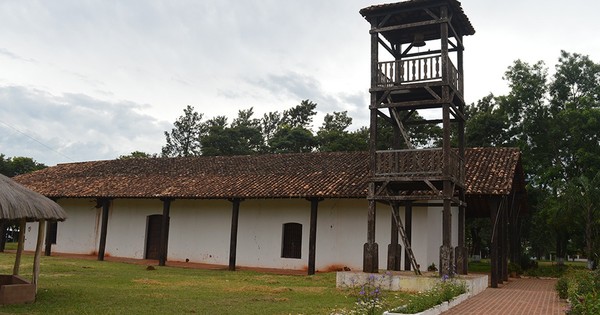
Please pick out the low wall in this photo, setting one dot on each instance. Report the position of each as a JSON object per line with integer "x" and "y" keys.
{"x": 397, "y": 281}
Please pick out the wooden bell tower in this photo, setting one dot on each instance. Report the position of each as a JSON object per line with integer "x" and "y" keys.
{"x": 417, "y": 65}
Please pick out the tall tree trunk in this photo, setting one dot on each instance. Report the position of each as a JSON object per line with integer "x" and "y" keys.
{"x": 588, "y": 238}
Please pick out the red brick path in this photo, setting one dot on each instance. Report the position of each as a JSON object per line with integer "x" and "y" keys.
{"x": 517, "y": 296}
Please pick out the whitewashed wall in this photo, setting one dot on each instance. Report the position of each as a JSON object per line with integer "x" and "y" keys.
{"x": 200, "y": 231}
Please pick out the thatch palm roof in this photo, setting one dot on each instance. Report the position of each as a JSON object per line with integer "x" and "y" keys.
{"x": 19, "y": 202}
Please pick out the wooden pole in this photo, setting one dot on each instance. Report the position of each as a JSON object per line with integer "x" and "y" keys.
{"x": 48, "y": 247}
{"x": 38, "y": 253}
{"x": 493, "y": 205}
{"x": 20, "y": 245}
{"x": 312, "y": 240}
{"x": 103, "y": 229}
{"x": 235, "y": 214}
{"x": 408, "y": 228}
{"x": 394, "y": 249}
{"x": 164, "y": 232}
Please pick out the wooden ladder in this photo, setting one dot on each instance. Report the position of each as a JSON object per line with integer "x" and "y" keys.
{"x": 407, "y": 247}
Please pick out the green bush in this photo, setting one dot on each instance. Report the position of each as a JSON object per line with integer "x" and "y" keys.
{"x": 549, "y": 271}
{"x": 583, "y": 291}
{"x": 562, "y": 285}
{"x": 512, "y": 267}
{"x": 445, "y": 290}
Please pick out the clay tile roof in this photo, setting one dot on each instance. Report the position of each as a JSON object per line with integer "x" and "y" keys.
{"x": 490, "y": 171}
{"x": 332, "y": 175}
{"x": 327, "y": 175}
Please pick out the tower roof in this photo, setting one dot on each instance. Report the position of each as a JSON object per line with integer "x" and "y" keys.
{"x": 414, "y": 11}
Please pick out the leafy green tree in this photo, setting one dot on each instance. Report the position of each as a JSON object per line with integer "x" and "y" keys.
{"x": 333, "y": 134}
{"x": 184, "y": 138}
{"x": 137, "y": 155}
{"x": 269, "y": 125}
{"x": 293, "y": 134}
{"x": 486, "y": 124}
{"x": 18, "y": 165}
{"x": 242, "y": 137}
{"x": 555, "y": 121}
{"x": 292, "y": 140}
{"x": 300, "y": 115}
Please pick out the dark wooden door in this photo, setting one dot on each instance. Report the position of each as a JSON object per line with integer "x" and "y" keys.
{"x": 153, "y": 223}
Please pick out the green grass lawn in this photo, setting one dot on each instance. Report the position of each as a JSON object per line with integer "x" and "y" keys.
{"x": 72, "y": 286}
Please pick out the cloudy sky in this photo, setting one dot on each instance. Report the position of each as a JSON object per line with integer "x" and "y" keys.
{"x": 94, "y": 79}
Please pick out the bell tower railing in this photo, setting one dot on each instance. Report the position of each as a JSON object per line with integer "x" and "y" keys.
{"x": 416, "y": 70}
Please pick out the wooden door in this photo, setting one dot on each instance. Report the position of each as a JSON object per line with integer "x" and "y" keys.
{"x": 153, "y": 223}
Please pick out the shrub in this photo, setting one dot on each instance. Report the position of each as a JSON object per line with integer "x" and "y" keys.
{"x": 512, "y": 267}
{"x": 550, "y": 271}
{"x": 432, "y": 267}
{"x": 583, "y": 292}
{"x": 370, "y": 297}
{"x": 445, "y": 290}
{"x": 562, "y": 285}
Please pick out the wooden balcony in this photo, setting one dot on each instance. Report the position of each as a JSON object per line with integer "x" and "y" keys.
{"x": 417, "y": 70}
{"x": 418, "y": 165}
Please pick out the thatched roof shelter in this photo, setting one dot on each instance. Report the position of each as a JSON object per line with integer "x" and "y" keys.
{"x": 22, "y": 204}
{"x": 18, "y": 202}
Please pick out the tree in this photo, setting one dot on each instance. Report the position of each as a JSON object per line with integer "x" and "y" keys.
{"x": 12, "y": 167}
{"x": 299, "y": 116}
{"x": 292, "y": 140}
{"x": 18, "y": 165}
{"x": 137, "y": 155}
{"x": 486, "y": 124}
{"x": 242, "y": 137}
{"x": 269, "y": 125}
{"x": 293, "y": 134}
{"x": 555, "y": 121}
{"x": 184, "y": 138}
{"x": 333, "y": 134}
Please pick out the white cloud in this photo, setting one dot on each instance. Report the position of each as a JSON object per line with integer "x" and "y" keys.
{"x": 224, "y": 55}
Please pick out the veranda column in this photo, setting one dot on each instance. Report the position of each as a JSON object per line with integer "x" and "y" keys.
{"x": 312, "y": 240}
{"x": 164, "y": 232}
{"x": 103, "y": 228}
{"x": 493, "y": 204}
{"x": 235, "y": 214}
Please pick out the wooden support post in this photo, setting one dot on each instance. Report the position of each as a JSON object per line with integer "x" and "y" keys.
{"x": 408, "y": 227}
{"x": 494, "y": 203}
{"x": 103, "y": 228}
{"x": 235, "y": 214}
{"x": 48, "y": 241}
{"x": 3, "y": 226}
{"x": 371, "y": 250}
{"x": 312, "y": 240}
{"x": 462, "y": 260}
{"x": 22, "y": 226}
{"x": 38, "y": 253}
{"x": 164, "y": 232}
{"x": 394, "y": 249}
{"x": 505, "y": 239}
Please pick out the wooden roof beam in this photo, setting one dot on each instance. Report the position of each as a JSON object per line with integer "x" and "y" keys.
{"x": 405, "y": 26}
